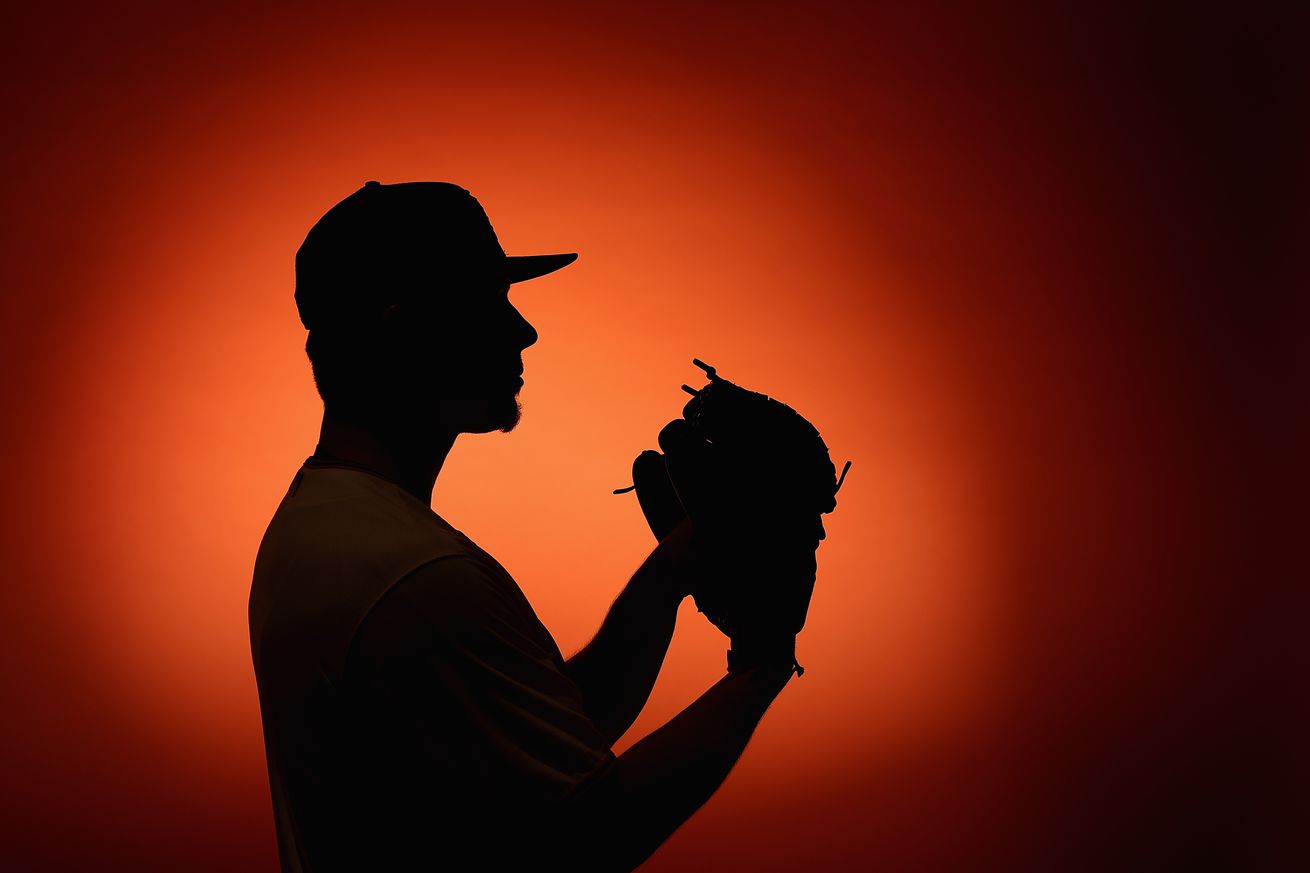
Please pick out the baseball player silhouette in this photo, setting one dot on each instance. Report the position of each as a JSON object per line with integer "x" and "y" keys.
{"x": 417, "y": 715}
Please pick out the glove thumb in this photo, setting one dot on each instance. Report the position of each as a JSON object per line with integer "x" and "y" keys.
{"x": 659, "y": 501}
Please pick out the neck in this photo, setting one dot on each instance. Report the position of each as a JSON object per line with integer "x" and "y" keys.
{"x": 408, "y": 454}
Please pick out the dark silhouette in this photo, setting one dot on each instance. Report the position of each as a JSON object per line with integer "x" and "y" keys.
{"x": 417, "y": 715}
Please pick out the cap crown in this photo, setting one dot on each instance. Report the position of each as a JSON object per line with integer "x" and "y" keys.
{"x": 387, "y": 243}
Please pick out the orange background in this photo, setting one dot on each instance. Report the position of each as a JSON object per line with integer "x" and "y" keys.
{"x": 988, "y": 255}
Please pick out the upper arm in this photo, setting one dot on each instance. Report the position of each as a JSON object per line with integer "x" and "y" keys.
{"x": 456, "y": 671}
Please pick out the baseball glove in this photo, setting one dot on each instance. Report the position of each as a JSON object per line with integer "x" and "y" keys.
{"x": 755, "y": 478}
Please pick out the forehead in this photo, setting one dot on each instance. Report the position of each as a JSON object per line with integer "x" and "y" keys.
{"x": 481, "y": 289}
{"x": 454, "y": 295}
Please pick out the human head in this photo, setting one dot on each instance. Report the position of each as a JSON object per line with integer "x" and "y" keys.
{"x": 404, "y": 289}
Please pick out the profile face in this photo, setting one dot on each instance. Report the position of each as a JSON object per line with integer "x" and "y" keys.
{"x": 466, "y": 358}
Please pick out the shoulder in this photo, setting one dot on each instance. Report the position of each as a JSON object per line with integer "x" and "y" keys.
{"x": 453, "y": 601}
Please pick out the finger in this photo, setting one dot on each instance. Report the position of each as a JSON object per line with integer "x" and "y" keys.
{"x": 659, "y": 501}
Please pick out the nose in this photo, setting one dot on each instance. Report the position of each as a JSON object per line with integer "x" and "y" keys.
{"x": 527, "y": 334}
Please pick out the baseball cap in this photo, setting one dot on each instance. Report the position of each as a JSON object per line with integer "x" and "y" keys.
{"x": 401, "y": 241}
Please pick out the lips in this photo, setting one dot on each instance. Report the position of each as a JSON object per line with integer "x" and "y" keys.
{"x": 512, "y": 374}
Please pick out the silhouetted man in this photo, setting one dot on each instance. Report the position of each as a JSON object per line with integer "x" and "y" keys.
{"x": 417, "y": 714}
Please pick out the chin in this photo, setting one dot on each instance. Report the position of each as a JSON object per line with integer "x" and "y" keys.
{"x": 503, "y": 417}
{"x": 511, "y": 422}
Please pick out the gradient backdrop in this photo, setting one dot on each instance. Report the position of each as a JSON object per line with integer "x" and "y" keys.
{"x": 986, "y": 254}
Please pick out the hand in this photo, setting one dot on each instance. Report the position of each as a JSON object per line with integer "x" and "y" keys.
{"x": 664, "y": 506}
{"x": 677, "y": 551}
{"x": 681, "y": 480}
{"x": 655, "y": 493}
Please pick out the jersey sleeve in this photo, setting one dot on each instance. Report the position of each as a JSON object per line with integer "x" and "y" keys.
{"x": 468, "y": 689}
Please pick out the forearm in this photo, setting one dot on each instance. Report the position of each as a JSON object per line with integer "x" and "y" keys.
{"x": 617, "y": 669}
{"x": 662, "y": 780}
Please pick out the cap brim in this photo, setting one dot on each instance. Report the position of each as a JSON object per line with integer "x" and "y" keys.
{"x": 524, "y": 267}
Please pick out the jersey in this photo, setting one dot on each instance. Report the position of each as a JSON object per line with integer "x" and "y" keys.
{"x": 416, "y": 712}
